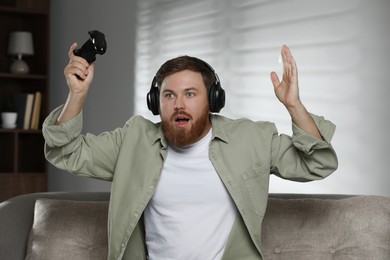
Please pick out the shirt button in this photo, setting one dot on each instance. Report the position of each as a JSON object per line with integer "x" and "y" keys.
{"x": 277, "y": 250}
{"x": 332, "y": 250}
{"x": 123, "y": 245}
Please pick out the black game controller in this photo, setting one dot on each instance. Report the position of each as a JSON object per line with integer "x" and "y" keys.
{"x": 96, "y": 44}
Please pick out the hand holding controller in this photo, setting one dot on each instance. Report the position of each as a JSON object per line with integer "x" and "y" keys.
{"x": 96, "y": 44}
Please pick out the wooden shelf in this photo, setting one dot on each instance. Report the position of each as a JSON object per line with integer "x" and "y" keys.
{"x": 18, "y": 130}
{"x": 8, "y": 75}
{"x": 23, "y": 167}
{"x": 25, "y": 6}
{"x": 20, "y": 10}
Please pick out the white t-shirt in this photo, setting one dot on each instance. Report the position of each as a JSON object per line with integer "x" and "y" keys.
{"x": 191, "y": 214}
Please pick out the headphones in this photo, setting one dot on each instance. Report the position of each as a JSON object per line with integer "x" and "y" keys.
{"x": 216, "y": 94}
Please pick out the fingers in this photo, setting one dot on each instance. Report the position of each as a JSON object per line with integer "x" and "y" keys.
{"x": 77, "y": 66}
{"x": 290, "y": 72}
{"x": 289, "y": 65}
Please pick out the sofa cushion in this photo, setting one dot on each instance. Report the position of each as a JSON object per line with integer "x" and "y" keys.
{"x": 306, "y": 229}
{"x": 64, "y": 229}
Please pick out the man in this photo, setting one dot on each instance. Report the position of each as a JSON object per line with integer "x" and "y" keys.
{"x": 195, "y": 185}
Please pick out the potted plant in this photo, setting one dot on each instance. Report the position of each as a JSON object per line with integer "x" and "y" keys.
{"x": 9, "y": 114}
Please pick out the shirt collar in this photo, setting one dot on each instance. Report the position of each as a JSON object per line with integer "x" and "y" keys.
{"x": 159, "y": 137}
{"x": 218, "y": 128}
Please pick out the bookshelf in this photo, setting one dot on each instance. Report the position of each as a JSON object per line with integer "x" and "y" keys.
{"x": 23, "y": 168}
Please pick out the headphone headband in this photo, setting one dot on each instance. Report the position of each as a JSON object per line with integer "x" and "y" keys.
{"x": 216, "y": 93}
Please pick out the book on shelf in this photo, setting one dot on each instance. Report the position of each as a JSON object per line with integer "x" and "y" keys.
{"x": 29, "y": 110}
{"x": 36, "y": 111}
{"x": 20, "y": 101}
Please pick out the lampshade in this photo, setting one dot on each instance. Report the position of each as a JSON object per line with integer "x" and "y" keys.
{"x": 20, "y": 43}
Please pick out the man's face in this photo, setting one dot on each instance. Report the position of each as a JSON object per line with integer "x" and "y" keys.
{"x": 184, "y": 108}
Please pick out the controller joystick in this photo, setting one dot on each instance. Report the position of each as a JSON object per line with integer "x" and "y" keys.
{"x": 96, "y": 44}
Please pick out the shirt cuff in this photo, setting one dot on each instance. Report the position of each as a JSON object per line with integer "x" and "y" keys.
{"x": 59, "y": 135}
{"x": 308, "y": 143}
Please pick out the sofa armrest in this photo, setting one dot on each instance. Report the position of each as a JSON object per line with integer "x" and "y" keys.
{"x": 308, "y": 226}
{"x": 17, "y": 214}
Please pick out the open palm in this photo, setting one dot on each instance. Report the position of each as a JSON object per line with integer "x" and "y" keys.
{"x": 287, "y": 89}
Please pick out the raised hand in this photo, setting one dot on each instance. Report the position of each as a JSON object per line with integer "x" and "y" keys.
{"x": 78, "y": 73}
{"x": 287, "y": 90}
{"x": 288, "y": 94}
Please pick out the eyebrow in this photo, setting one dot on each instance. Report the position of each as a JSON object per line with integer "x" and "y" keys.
{"x": 185, "y": 90}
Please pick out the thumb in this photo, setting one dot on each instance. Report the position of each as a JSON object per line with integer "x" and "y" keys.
{"x": 72, "y": 48}
{"x": 275, "y": 79}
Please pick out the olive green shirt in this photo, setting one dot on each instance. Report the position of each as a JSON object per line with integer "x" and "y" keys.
{"x": 244, "y": 154}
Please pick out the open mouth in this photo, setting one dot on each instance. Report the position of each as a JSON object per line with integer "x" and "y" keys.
{"x": 181, "y": 121}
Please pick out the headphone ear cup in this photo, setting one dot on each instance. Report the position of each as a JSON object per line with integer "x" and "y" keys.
{"x": 216, "y": 98}
{"x": 152, "y": 98}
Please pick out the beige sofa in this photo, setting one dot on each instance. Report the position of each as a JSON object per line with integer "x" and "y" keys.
{"x": 72, "y": 225}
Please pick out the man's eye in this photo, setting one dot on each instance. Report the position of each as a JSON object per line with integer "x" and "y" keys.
{"x": 168, "y": 95}
{"x": 190, "y": 94}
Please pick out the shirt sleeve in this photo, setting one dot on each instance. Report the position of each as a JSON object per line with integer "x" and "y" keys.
{"x": 59, "y": 135}
{"x": 308, "y": 143}
{"x": 304, "y": 157}
{"x": 84, "y": 155}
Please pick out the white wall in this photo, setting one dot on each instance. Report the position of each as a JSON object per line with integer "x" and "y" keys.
{"x": 352, "y": 82}
{"x": 341, "y": 48}
{"x": 357, "y": 87}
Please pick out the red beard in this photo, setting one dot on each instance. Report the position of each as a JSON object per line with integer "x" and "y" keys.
{"x": 181, "y": 137}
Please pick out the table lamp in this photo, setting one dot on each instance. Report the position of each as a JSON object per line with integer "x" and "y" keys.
{"x": 20, "y": 43}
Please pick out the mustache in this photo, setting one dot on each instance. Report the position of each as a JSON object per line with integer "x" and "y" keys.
{"x": 181, "y": 114}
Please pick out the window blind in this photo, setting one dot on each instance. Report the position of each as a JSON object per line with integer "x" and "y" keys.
{"x": 242, "y": 41}
{"x": 337, "y": 46}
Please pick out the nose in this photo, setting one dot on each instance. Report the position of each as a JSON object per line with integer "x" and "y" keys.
{"x": 179, "y": 103}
